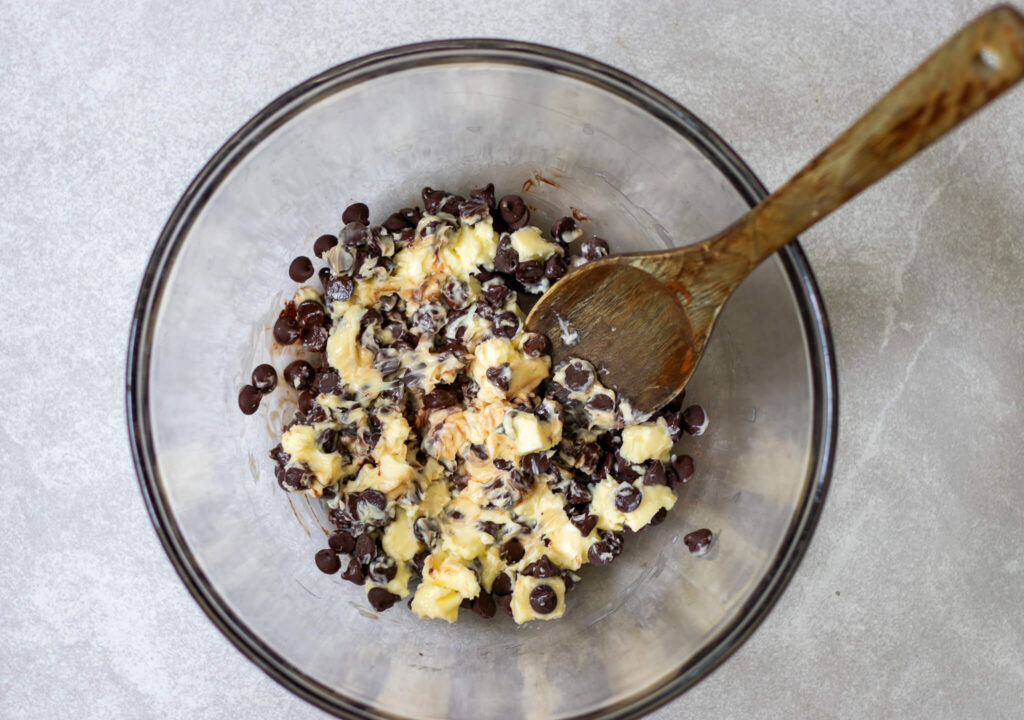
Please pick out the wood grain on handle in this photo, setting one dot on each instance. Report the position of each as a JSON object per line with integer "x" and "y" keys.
{"x": 971, "y": 69}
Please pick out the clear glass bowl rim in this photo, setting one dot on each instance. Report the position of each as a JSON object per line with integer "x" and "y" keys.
{"x": 539, "y": 57}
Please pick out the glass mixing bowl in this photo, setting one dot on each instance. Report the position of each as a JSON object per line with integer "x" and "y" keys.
{"x": 565, "y": 131}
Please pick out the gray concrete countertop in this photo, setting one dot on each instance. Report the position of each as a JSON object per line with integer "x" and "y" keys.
{"x": 908, "y": 603}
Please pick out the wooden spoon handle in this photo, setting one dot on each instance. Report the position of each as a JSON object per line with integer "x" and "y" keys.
{"x": 962, "y": 76}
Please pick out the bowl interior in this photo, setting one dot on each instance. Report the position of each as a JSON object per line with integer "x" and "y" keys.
{"x": 562, "y": 141}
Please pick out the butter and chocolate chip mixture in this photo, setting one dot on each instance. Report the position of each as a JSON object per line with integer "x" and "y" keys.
{"x": 458, "y": 466}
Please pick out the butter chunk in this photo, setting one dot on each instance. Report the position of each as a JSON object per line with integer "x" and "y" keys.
{"x": 609, "y": 517}
{"x": 434, "y": 602}
{"x": 447, "y": 572}
{"x": 399, "y": 541}
{"x": 648, "y": 441}
{"x": 531, "y": 246}
{"x": 300, "y": 442}
{"x": 529, "y": 433}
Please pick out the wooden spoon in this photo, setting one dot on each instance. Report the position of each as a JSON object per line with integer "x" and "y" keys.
{"x": 646, "y": 317}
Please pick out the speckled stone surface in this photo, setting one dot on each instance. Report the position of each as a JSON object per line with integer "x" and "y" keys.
{"x": 909, "y": 602}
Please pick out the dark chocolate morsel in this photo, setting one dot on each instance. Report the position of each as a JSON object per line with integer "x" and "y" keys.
{"x": 286, "y": 330}
{"x": 543, "y": 599}
{"x": 264, "y": 378}
{"x": 249, "y": 399}
{"x": 356, "y": 212}
{"x": 327, "y": 561}
{"x": 381, "y": 599}
{"x": 628, "y": 498}
{"x": 324, "y": 243}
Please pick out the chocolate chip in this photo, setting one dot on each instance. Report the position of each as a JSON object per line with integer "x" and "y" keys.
{"x": 511, "y": 552}
{"x": 426, "y": 530}
{"x": 576, "y": 493}
{"x": 506, "y": 260}
{"x": 502, "y": 584}
{"x": 578, "y": 376}
{"x": 440, "y": 397}
{"x": 432, "y": 199}
{"x": 365, "y": 549}
{"x": 555, "y": 267}
{"x": 543, "y": 599}
{"x": 374, "y": 497}
{"x": 324, "y": 243}
{"x": 455, "y": 293}
{"x": 682, "y": 466}
{"x": 249, "y": 399}
{"x": 412, "y": 215}
{"x": 584, "y": 523}
{"x": 342, "y": 541}
{"x": 530, "y": 272}
{"x": 563, "y": 226}
{"x": 380, "y": 599}
{"x": 383, "y": 570}
{"x": 417, "y": 561}
{"x": 327, "y": 561}
{"x": 264, "y": 378}
{"x": 314, "y": 338}
{"x": 299, "y": 374}
{"x": 430, "y": 316}
{"x": 521, "y": 481}
{"x": 698, "y": 541}
{"x": 356, "y": 212}
{"x": 542, "y": 568}
{"x": 351, "y": 569}
{"x": 594, "y": 249}
{"x": 327, "y": 440}
{"x": 310, "y": 313}
{"x": 479, "y": 450}
{"x": 396, "y": 222}
{"x": 536, "y": 463}
{"x": 659, "y": 517}
{"x": 495, "y": 294}
{"x": 301, "y": 269}
{"x": 279, "y": 456}
{"x": 339, "y": 288}
{"x": 601, "y": 402}
{"x": 485, "y": 193}
{"x": 307, "y": 401}
{"x": 505, "y": 324}
{"x": 286, "y": 330}
{"x": 328, "y": 381}
{"x": 600, "y": 553}
{"x": 614, "y": 542}
{"x": 503, "y": 464}
{"x": 451, "y": 204}
{"x": 694, "y": 419}
{"x": 628, "y": 498}
{"x": 500, "y": 376}
{"x": 588, "y": 458}
{"x": 483, "y": 605}
{"x": 294, "y": 479}
{"x": 514, "y": 212}
{"x": 354, "y": 235}
{"x": 537, "y": 345}
{"x": 473, "y": 209}
{"x": 655, "y": 474}
{"x": 623, "y": 469}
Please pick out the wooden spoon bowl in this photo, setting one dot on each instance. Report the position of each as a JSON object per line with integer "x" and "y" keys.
{"x": 644, "y": 319}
